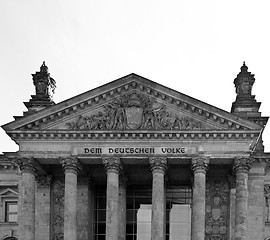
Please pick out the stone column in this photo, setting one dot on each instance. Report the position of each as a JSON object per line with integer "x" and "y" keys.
{"x": 199, "y": 167}
{"x": 29, "y": 168}
{"x": 122, "y": 207}
{"x": 112, "y": 167}
{"x": 241, "y": 167}
{"x": 158, "y": 167}
{"x": 43, "y": 208}
{"x": 71, "y": 168}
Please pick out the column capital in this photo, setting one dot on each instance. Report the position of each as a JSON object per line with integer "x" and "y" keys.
{"x": 44, "y": 181}
{"x": 158, "y": 164}
{"x": 112, "y": 164}
{"x": 200, "y": 164}
{"x": 28, "y": 165}
{"x": 71, "y": 164}
{"x": 242, "y": 164}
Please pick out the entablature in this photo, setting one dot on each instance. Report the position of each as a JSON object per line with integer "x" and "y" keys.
{"x": 169, "y": 134}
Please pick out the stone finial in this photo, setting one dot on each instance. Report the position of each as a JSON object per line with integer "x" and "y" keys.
{"x": 71, "y": 164}
{"x": 112, "y": 164}
{"x": 242, "y": 164}
{"x": 44, "y": 68}
{"x": 158, "y": 164}
{"x": 200, "y": 164}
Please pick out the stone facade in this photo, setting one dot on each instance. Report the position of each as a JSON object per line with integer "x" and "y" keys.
{"x": 135, "y": 160}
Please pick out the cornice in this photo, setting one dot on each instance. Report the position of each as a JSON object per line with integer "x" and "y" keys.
{"x": 172, "y": 97}
{"x": 138, "y": 134}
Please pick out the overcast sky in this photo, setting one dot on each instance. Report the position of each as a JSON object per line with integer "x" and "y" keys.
{"x": 195, "y": 47}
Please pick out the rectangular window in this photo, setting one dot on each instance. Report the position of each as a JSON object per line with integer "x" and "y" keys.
{"x": 139, "y": 213}
{"x": 178, "y": 213}
{"x": 11, "y": 211}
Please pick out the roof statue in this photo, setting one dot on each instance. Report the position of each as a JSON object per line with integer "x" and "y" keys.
{"x": 244, "y": 82}
{"x": 245, "y": 105}
{"x": 44, "y": 87}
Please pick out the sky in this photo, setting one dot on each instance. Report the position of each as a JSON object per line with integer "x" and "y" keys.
{"x": 195, "y": 47}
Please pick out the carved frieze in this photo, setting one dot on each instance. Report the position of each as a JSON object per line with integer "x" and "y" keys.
{"x": 217, "y": 210}
{"x": 267, "y": 202}
{"x": 134, "y": 111}
{"x": 58, "y": 195}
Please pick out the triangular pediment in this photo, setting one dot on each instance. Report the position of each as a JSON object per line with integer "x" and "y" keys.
{"x": 130, "y": 103}
{"x": 8, "y": 193}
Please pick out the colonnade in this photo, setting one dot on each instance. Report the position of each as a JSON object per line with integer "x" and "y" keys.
{"x": 115, "y": 214}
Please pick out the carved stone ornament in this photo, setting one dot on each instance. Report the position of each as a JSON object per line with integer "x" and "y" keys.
{"x": 200, "y": 164}
{"x": 133, "y": 111}
{"x": 232, "y": 181}
{"x": 217, "y": 210}
{"x": 158, "y": 164}
{"x": 28, "y": 165}
{"x": 71, "y": 164}
{"x": 44, "y": 181}
{"x": 112, "y": 164}
{"x": 242, "y": 164}
{"x": 267, "y": 190}
{"x": 267, "y": 202}
{"x": 58, "y": 196}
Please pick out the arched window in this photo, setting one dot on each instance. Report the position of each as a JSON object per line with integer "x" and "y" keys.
{"x": 10, "y": 238}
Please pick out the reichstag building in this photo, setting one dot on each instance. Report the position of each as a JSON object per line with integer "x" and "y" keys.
{"x": 135, "y": 160}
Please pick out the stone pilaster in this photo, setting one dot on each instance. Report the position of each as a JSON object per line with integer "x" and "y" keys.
{"x": 231, "y": 180}
{"x": 122, "y": 206}
{"x": 267, "y": 203}
{"x": 112, "y": 167}
{"x": 256, "y": 201}
{"x": 29, "y": 168}
{"x": 241, "y": 168}
{"x": 199, "y": 166}
{"x": 43, "y": 211}
{"x": 84, "y": 211}
{"x": 158, "y": 167}
{"x": 71, "y": 168}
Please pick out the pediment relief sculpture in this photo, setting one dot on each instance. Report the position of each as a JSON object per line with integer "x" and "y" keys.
{"x": 134, "y": 111}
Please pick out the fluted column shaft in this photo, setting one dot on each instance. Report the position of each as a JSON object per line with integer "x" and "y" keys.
{"x": 241, "y": 168}
{"x": 29, "y": 169}
{"x": 71, "y": 168}
{"x": 112, "y": 167}
{"x": 199, "y": 167}
{"x": 158, "y": 167}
